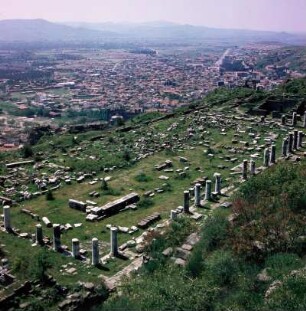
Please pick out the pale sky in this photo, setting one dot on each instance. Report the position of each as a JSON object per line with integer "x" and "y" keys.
{"x": 276, "y": 15}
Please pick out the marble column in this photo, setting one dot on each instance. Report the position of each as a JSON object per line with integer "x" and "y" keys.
{"x": 300, "y": 139}
{"x": 39, "y": 234}
{"x": 114, "y": 241}
{"x": 95, "y": 252}
{"x": 217, "y": 183}
{"x": 290, "y": 142}
{"x": 294, "y": 118}
{"x": 284, "y": 147}
{"x": 197, "y": 194}
{"x": 173, "y": 214}
{"x": 186, "y": 201}
{"x": 245, "y": 169}
{"x": 295, "y": 139}
{"x": 208, "y": 190}
{"x": 266, "y": 157}
{"x": 75, "y": 248}
{"x": 7, "y": 217}
{"x": 56, "y": 237}
{"x": 273, "y": 154}
{"x": 283, "y": 120}
{"x": 252, "y": 167}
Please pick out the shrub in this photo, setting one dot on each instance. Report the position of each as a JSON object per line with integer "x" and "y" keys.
{"x": 145, "y": 203}
{"x": 142, "y": 177}
{"x": 27, "y": 151}
{"x": 222, "y": 267}
{"x": 195, "y": 263}
{"x": 214, "y": 232}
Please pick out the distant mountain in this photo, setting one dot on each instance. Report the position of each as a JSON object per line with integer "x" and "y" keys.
{"x": 39, "y": 30}
{"x": 30, "y": 30}
{"x": 168, "y": 30}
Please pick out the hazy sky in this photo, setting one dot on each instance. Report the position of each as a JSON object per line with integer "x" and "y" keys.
{"x": 280, "y": 15}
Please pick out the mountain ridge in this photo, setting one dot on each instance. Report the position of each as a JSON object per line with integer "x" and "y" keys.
{"x": 30, "y": 30}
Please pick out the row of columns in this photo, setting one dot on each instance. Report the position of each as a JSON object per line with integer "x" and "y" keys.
{"x": 294, "y": 119}
{"x": 294, "y": 141}
{"x": 196, "y": 191}
{"x": 75, "y": 242}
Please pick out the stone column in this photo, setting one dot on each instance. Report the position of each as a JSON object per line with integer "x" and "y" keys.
{"x": 295, "y": 139}
{"x": 283, "y": 119}
{"x": 300, "y": 139}
{"x": 39, "y": 234}
{"x": 273, "y": 154}
{"x": 252, "y": 167}
{"x": 7, "y": 217}
{"x": 56, "y": 237}
{"x": 173, "y": 214}
{"x": 197, "y": 195}
{"x": 245, "y": 169}
{"x": 304, "y": 119}
{"x": 284, "y": 147}
{"x": 208, "y": 190}
{"x": 266, "y": 157}
{"x": 95, "y": 252}
{"x": 186, "y": 201}
{"x": 217, "y": 183}
{"x": 290, "y": 142}
{"x": 294, "y": 118}
{"x": 191, "y": 192}
{"x": 114, "y": 241}
{"x": 75, "y": 248}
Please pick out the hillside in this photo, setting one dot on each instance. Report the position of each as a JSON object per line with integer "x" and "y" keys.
{"x": 293, "y": 58}
{"x": 234, "y": 248}
{"x": 248, "y": 258}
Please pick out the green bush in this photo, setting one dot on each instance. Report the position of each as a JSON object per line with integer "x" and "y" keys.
{"x": 142, "y": 177}
{"x": 222, "y": 268}
{"x": 195, "y": 263}
{"x": 214, "y": 232}
{"x": 145, "y": 203}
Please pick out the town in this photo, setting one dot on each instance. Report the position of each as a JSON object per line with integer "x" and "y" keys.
{"x": 70, "y": 86}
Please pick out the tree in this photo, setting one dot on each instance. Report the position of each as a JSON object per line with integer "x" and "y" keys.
{"x": 27, "y": 151}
